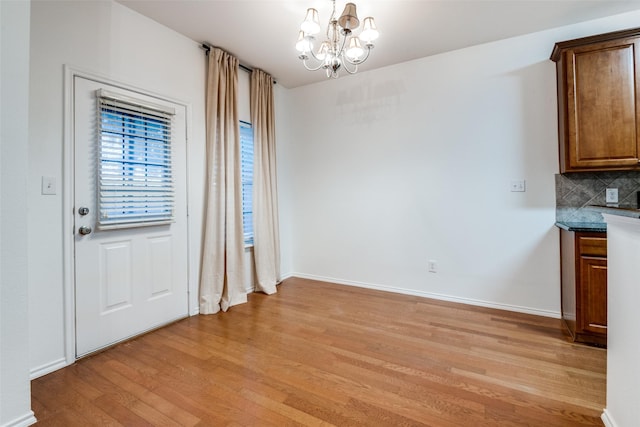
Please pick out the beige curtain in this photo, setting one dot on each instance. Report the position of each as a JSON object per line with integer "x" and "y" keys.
{"x": 266, "y": 244}
{"x": 222, "y": 275}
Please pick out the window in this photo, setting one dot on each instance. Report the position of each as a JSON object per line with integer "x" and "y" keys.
{"x": 135, "y": 182}
{"x": 246, "y": 148}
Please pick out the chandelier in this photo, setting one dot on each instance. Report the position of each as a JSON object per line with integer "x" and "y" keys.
{"x": 341, "y": 49}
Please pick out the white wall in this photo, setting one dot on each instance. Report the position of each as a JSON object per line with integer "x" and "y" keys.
{"x": 413, "y": 162}
{"x": 105, "y": 38}
{"x": 623, "y": 335}
{"x": 284, "y": 178}
{"x": 15, "y": 392}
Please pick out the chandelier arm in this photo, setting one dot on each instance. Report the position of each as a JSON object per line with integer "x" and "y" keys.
{"x": 304, "y": 62}
{"x": 314, "y": 56}
{"x": 345, "y": 66}
{"x": 359, "y": 61}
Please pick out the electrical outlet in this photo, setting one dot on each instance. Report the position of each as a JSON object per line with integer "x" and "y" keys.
{"x": 433, "y": 266}
{"x": 611, "y": 195}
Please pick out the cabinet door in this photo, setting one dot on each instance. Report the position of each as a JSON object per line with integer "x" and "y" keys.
{"x": 601, "y": 106}
{"x": 593, "y": 294}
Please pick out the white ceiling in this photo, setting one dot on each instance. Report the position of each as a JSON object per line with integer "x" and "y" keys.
{"x": 262, "y": 33}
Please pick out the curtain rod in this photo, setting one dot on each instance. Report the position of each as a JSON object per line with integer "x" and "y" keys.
{"x": 207, "y": 48}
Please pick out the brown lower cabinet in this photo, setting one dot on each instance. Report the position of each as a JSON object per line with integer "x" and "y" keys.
{"x": 584, "y": 285}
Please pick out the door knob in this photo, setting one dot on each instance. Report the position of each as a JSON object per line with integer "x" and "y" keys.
{"x": 84, "y": 230}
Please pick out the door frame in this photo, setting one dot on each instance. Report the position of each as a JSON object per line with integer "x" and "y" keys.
{"x": 68, "y": 197}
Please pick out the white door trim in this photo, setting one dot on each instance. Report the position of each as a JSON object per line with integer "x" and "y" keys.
{"x": 68, "y": 197}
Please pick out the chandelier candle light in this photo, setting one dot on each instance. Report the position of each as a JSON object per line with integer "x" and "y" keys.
{"x": 341, "y": 49}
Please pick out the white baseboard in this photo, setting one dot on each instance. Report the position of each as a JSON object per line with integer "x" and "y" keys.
{"x": 607, "y": 419}
{"x": 47, "y": 368}
{"x": 26, "y": 420}
{"x": 285, "y": 276}
{"x": 442, "y": 297}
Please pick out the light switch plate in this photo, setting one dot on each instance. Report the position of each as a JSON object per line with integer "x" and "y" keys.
{"x": 612, "y": 195}
{"x": 48, "y": 185}
{"x": 518, "y": 185}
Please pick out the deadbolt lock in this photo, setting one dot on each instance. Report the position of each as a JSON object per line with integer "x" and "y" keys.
{"x": 84, "y": 230}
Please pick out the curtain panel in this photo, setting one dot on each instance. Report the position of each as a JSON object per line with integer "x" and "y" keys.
{"x": 222, "y": 274}
{"x": 266, "y": 244}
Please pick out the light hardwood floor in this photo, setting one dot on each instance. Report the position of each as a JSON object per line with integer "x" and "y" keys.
{"x": 320, "y": 354}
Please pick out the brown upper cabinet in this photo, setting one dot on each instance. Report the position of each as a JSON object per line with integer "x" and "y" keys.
{"x": 598, "y": 102}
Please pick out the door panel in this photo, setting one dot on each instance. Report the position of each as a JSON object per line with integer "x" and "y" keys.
{"x": 594, "y": 279}
{"x": 127, "y": 280}
{"x": 160, "y": 259}
{"x": 116, "y": 287}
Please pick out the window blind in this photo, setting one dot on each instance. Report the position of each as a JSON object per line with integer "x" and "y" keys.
{"x": 246, "y": 150}
{"x": 135, "y": 177}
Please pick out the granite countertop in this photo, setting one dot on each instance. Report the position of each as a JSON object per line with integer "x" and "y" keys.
{"x": 595, "y": 227}
{"x": 611, "y": 210}
{"x": 600, "y": 227}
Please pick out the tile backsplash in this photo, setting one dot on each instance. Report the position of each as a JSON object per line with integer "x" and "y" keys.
{"x": 576, "y": 191}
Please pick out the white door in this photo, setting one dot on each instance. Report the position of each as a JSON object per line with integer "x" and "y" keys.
{"x": 127, "y": 280}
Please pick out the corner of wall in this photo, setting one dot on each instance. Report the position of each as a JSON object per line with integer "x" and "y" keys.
{"x": 15, "y": 397}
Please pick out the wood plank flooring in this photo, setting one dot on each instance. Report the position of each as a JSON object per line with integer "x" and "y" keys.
{"x": 320, "y": 354}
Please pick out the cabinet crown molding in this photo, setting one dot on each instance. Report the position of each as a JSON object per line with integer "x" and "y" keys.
{"x": 556, "y": 53}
